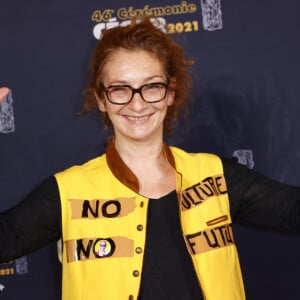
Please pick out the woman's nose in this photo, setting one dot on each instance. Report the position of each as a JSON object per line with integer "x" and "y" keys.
{"x": 137, "y": 103}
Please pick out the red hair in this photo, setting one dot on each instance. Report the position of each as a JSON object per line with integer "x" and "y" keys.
{"x": 141, "y": 34}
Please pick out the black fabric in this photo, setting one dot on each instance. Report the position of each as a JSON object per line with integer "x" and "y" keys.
{"x": 259, "y": 201}
{"x": 167, "y": 272}
{"x": 31, "y": 224}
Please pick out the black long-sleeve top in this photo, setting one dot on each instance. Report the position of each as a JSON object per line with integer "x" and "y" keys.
{"x": 255, "y": 200}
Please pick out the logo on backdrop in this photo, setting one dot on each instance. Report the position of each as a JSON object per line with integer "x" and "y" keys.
{"x": 7, "y": 120}
{"x": 211, "y": 15}
{"x": 18, "y": 266}
{"x": 188, "y": 16}
{"x": 245, "y": 157}
{"x": 14, "y": 267}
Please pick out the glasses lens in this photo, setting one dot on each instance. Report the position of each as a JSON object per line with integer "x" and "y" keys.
{"x": 119, "y": 94}
{"x": 154, "y": 92}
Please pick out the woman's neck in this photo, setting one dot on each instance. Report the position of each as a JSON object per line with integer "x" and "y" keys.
{"x": 150, "y": 165}
{"x": 140, "y": 152}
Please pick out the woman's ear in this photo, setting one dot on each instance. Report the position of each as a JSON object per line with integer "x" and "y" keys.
{"x": 100, "y": 102}
{"x": 172, "y": 83}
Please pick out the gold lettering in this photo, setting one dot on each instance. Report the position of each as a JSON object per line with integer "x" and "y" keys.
{"x": 183, "y": 8}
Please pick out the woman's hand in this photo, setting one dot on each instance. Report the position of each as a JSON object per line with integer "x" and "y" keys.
{"x": 3, "y": 93}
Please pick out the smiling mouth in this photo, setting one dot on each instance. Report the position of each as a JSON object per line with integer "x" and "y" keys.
{"x": 138, "y": 119}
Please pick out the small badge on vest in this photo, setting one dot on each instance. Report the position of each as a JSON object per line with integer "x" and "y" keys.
{"x": 104, "y": 248}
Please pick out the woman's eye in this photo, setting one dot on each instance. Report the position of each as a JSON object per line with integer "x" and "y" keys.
{"x": 117, "y": 89}
{"x": 153, "y": 86}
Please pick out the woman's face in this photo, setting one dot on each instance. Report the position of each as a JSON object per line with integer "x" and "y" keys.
{"x": 136, "y": 120}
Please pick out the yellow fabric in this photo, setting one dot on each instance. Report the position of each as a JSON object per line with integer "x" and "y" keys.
{"x": 219, "y": 269}
{"x": 118, "y": 275}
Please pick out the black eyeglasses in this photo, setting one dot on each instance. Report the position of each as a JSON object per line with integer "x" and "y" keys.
{"x": 149, "y": 92}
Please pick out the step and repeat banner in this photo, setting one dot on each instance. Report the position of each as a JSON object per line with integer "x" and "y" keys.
{"x": 245, "y": 103}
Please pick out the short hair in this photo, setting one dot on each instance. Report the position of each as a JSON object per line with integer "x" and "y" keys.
{"x": 141, "y": 34}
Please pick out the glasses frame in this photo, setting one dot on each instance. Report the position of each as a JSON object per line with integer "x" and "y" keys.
{"x": 136, "y": 91}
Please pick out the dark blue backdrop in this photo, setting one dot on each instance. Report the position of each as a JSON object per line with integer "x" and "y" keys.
{"x": 246, "y": 87}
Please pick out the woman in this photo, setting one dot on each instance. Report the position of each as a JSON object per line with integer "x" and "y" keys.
{"x": 145, "y": 220}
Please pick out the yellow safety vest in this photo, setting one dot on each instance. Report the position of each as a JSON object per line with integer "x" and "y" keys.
{"x": 104, "y": 227}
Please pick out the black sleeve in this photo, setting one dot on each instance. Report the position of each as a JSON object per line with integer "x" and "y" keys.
{"x": 259, "y": 201}
{"x": 31, "y": 224}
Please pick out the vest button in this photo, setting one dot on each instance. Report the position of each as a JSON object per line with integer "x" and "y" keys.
{"x": 142, "y": 204}
{"x": 131, "y": 297}
{"x": 138, "y": 250}
{"x": 140, "y": 227}
{"x": 136, "y": 273}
